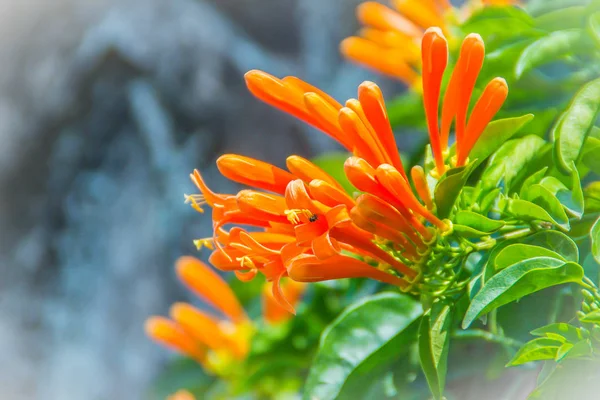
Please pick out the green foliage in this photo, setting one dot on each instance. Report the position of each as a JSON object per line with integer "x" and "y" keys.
{"x": 369, "y": 333}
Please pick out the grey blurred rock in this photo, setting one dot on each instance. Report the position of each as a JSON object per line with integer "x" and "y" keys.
{"x": 105, "y": 108}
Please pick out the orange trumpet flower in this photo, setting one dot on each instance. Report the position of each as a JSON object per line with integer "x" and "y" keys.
{"x": 309, "y": 228}
{"x": 390, "y": 41}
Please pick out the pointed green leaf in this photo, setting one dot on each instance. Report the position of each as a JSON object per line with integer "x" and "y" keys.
{"x": 496, "y": 133}
{"x": 368, "y": 332}
{"x": 535, "y": 350}
{"x": 575, "y": 125}
{"x": 532, "y": 180}
{"x": 518, "y": 252}
{"x": 434, "y": 340}
{"x": 449, "y": 187}
{"x": 528, "y": 211}
{"x": 557, "y": 242}
{"x": 478, "y": 221}
{"x": 520, "y": 280}
{"x": 592, "y": 317}
{"x": 569, "y": 332}
{"x": 510, "y": 160}
{"x": 549, "y": 48}
{"x": 595, "y": 238}
{"x": 541, "y": 196}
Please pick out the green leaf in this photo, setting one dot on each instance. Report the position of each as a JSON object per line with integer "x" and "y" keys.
{"x": 434, "y": 340}
{"x": 478, "y": 221}
{"x": 333, "y": 164}
{"x": 518, "y": 252}
{"x": 549, "y": 48}
{"x": 571, "y": 333}
{"x": 595, "y": 240}
{"x": 489, "y": 200}
{"x": 368, "y": 332}
{"x": 528, "y": 211}
{"x": 593, "y": 27}
{"x": 589, "y": 154}
{"x": 538, "y": 194}
{"x": 581, "y": 349}
{"x": 520, "y": 280}
{"x": 535, "y": 350}
{"x": 564, "y": 18}
{"x": 449, "y": 187}
{"x": 496, "y": 133}
{"x": 591, "y": 196}
{"x": 575, "y": 125}
{"x": 532, "y": 180}
{"x": 591, "y": 317}
{"x": 510, "y": 160}
{"x": 556, "y": 241}
{"x": 572, "y": 200}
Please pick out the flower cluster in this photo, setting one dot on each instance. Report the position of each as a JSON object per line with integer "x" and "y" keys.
{"x": 214, "y": 341}
{"x": 310, "y": 229}
{"x": 390, "y": 38}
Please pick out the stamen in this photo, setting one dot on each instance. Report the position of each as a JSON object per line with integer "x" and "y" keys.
{"x": 205, "y": 242}
{"x": 196, "y": 201}
{"x": 294, "y": 215}
{"x": 246, "y": 262}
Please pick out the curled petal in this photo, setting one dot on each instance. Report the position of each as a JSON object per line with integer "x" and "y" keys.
{"x": 206, "y": 284}
{"x": 273, "y": 313}
{"x": 325, "y": 246}
{"x": 297, "y": 197}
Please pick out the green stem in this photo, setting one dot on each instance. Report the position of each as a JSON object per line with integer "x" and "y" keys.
{"x": 488, "y": 337}
{"x": 488, "y": 244}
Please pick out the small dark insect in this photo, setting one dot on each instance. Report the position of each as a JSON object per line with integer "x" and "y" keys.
{"x": 313, "y": 218}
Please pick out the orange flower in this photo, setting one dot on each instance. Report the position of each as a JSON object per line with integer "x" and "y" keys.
{"x": 309, "y": 228}
{"x": 457, "y": 97}
{"x": 181, "y": 395}
{"x": 214, "y": 340}
{"x": 389, "y": 42}
{"x": 273, "y": 313}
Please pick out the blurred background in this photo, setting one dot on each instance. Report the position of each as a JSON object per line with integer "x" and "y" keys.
{"x": 105, "y": 108}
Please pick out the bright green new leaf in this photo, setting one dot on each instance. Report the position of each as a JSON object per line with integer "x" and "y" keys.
{"x": 564, "y": 18}
{"x": 595, "y": 238}
{"x": 549, "y": 48}
{"x": 528, "y": 211}
{"x": 434, "y": 340}
{"x": 449, "y": 187}
{"x": 571, "y": 333}
{"x": 592, "y": 317}
{"x": 518, "y": 252}
{"x": 591, "y": 196}
{"x": 478, "y": 221}
{"x": 489, "y": 200}
{"x": 370, "y": 331}
{"x": 520, "y": 280}
{"x": 496, "y": 133}
{"x": 541, "y": 196}
{"x": 532, "y": 180}
{"x": 535, "y": 350}
{"x": 557, "y": 242}
{"x": 510, "y": 160}
{"x": 575, "y": 124}
{"x": 593, "y": 27}
{"x": 589, "y": 154}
